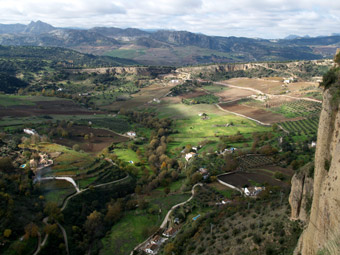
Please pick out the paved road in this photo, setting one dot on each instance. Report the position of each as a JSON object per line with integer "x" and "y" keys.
{"x": 167, "y": 216}
{"x": 68, "y": 179}
{"x": 45, "y": 220}
{"x": 175, "y": 206}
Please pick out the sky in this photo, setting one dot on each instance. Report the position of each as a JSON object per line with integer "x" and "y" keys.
{"x": 248, "y": 18}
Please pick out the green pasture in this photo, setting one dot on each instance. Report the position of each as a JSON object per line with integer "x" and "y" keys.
{"x": 121, "y": 53}
{"x": 194, "y": 129}
{"x": 12, "y": 100}
{"x": 126, "y": 155}
{"x": 133, "y": 228}
{"x": 215, "y": 88}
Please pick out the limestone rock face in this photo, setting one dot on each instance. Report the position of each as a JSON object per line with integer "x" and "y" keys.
{"x": 301, "y": 194}
{"x": 324, "y": 223}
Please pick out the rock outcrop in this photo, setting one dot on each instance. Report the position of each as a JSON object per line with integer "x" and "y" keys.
{"x": 301, "y": 194}
{"x": 323, "y": 228}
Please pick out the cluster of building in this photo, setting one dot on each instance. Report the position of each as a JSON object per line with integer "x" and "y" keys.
{"x": 43, "y": 161}
{"x": 156, "y": 241}
{"x": 253, "y": 191}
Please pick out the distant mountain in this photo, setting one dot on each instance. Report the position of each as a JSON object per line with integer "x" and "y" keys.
{"x": 168, "y": 47}
{"x": 38, "y": 27}
{"x": 291, "y": 37}
{"x": 118, "y": 32}
{"x": 12, "y": 28}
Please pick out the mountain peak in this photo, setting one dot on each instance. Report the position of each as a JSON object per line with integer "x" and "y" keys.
{"x": 38, "y": 27}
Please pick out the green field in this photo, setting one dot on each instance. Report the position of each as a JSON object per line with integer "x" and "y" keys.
{"x": 121, "y": 53}
{"x": 127, "y": 155}
{"x": 12, "y": 100}
{"x": 134, "y": 227}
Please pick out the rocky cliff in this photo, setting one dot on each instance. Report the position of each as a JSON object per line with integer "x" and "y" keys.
{"x": 323, "y": 228}
{"x": 301, "y": 194}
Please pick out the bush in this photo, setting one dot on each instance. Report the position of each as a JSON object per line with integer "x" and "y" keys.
{"x": 76, "y": 147}
{"x": 279, "y": 175}
{"x": 327, "y": 164}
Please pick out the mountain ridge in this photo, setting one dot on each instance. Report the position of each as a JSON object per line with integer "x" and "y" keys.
{"x": 168, "y": 46}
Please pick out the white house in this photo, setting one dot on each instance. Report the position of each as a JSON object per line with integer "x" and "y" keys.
{"x": 156, "y": 240}
{"x": 170, "y": 232}
{"x": 30, "y": 131}
{"x": 189, "y": 155}
{"x": 151, "y": 249}
{"x": 246, "y": 191}
{"x": 253, "y": 191}
{"x": 132, "y": 134}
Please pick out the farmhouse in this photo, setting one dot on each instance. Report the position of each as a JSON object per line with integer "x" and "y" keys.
{"x": 170, "y": 232}
{"x": 44, "y": 161}
{"x": 151, "y": 249}
{"x": 189, "y": 155}
{"x": 252, "y": 191}
{"x": 204, "y": 172}
{"x": 131, "y": 134}
{"x": 30, "y": 131}
{"x": 156, "y": 239}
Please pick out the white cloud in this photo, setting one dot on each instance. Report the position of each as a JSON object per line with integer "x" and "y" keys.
{"x": 251, "y": 18}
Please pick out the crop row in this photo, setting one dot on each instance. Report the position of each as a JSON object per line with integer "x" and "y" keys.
{"x": 253, "y": 161}
{"x": 306, "y": 126}
{"x": 299, "y": 108}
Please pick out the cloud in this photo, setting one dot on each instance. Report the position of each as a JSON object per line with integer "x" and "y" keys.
{"x": 250, "y": 18}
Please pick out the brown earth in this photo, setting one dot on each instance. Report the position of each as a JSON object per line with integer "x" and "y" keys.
{"x": 57, "y": 107}
{"x": 234, "y": 94}
{"x": 241, "y": 179}
{"x": 255, "y": 113}
{"x": 194, "y": 94}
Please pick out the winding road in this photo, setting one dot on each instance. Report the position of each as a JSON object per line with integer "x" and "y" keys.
{"x": 175, "y": 206}
{"x": 68, "y": 179}
{"x": 78, "y": 192}
{"x": 167, "y": 217}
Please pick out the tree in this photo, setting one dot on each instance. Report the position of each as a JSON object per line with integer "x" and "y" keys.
{"x": 6, "y": 164}
{"x": 114, "y": 212}
{"x": 195, "y": 178}
{"x": 169, "y": 248}
{"x": 31, "y": 230}
{"x": 7, "y": 233}
{"x": 337, "y": 58}
{"x": 174, "y": 175}
{"x": 138, "y": 189}
{"x": 167, "y": 190}
{"x": 51, "y": 228}
{"x": 76, "y": 147}
{"x": 53, "y": 211}
{"x": 93, "y": 225}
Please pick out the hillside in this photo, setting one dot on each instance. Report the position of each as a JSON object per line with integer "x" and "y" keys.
{"x": 14, "y": 58}
{"x": 167, "y": 47}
